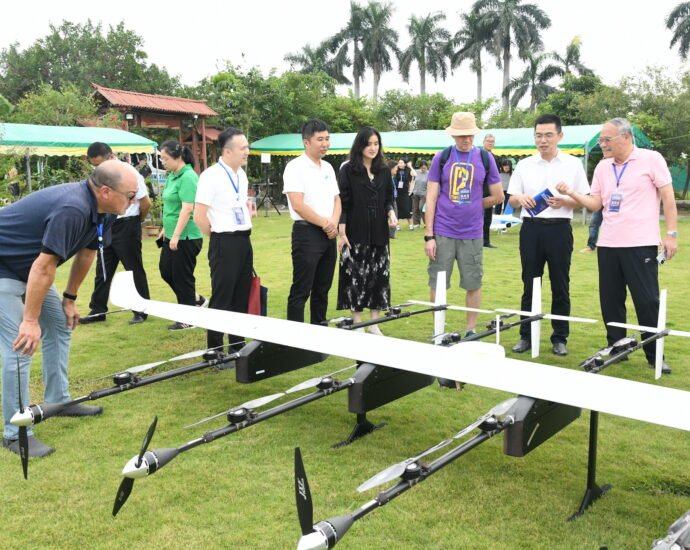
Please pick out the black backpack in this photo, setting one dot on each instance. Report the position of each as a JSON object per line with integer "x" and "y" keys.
{"x": 445, "y": 155}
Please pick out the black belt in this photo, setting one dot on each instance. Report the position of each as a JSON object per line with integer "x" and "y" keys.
{"x": 547, "y": 221}
{"x": 306, "y": 223}
{"x": 243, "y": 233}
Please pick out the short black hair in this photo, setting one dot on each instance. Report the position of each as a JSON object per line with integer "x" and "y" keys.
{"x": 549, "y": 119}
{"x": 424, "y": 163}
{"x": 98, "y": 149}
{"x": 227, "y": 134}
{"x": 312, "y": 127}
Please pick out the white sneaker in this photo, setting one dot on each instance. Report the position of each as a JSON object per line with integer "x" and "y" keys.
{"x": 397, "y": 228}
{"x": 411, "y": 227}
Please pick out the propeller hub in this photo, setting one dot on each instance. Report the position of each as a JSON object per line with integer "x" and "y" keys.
{"x": 489, "y": 424}
{"x": 326, "y": 382}
{"x": 122, "y": 378}
{"x": 132, "y": 471}
{"x": 313, "y": 541}
{"x": 394, "y": 311}
{"x": 23, "y": 418}
{"x": 238, "y": 415}
{"x": 412, "y": 471}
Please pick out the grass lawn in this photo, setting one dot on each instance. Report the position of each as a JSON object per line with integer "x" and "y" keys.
{"x": 237, "y": 492}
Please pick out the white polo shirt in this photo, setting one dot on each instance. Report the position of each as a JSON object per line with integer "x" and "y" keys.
{"x": 227, "y": 207}
{"x": 534, "y": 174}
{"x": 142, "y": 192}
{"x": 316, "y": 181}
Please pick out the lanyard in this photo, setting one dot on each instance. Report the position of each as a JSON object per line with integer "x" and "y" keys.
{"x": 456, "y": 154}
{"x": 236, "y": 187}
{"x": 618, "y": 176}
{"x": 99, "y": 232}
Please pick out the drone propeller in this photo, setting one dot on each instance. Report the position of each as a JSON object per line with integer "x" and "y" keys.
{"x": 452, "y": 308}
{"x": 305, "y": 508}
{"x": 23, "y": 430}
{"x": 397, "y": 470}
{"x": 147, "y": 366}
{"x": 253, "y": 404}
{"x": 125, "y": 488}
{"x": 313, "y": 382}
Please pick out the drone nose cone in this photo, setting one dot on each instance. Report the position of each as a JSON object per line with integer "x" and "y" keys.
{"x": 22, "y": 418}
{"x": 133, "y": 471}
{"x": 313, "y": 541}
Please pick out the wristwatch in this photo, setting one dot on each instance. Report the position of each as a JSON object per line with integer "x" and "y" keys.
{"x": 428, "y": 238}
{"x": 673, "y": 234}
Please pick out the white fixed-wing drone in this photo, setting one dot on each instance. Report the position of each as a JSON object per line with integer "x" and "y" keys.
{"x": 473, "y": 362}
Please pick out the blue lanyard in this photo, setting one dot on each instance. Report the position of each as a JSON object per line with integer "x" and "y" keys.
{"x": 236, "y": 187}
{"x": 618, "y": 176}
{"x": 99, "y": 232}
{"x": 456, "y": 154}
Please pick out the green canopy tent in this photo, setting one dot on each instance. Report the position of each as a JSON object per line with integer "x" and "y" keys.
{"x": 577, "y": 140}
{"x": 31, "y": 139}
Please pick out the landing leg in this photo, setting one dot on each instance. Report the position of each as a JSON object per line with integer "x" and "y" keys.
{"x": 593, "y": 491}
{"x": 362, "y": 427}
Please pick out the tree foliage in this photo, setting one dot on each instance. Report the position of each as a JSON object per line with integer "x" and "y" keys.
{"x": 51, "y": 107}
{"x": 78, "y": 54}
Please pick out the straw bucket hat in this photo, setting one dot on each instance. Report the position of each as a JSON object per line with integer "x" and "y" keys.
{"x": 463, "y": 124}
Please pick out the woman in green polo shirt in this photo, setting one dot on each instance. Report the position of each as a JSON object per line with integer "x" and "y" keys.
{"x": 181, "y": 237}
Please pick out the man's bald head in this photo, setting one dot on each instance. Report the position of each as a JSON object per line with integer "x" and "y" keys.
{"x": 116, "y": 186}
{"x": 117, "y": 175}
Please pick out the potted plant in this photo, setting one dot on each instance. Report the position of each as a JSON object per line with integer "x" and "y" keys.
{"x": 154, "y": 217}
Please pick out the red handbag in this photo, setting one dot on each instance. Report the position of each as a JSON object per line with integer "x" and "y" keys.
{"x": 258, "y": 297}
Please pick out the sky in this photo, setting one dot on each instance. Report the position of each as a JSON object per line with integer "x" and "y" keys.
{"x": 196, "y": 40}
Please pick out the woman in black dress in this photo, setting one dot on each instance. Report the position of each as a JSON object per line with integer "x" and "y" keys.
{"x": 366, "y": 196}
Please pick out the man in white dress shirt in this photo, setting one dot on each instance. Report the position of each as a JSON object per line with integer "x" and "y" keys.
{"x": 546, "y": 236}
{"x": 314, "y": 201}
{"x": 222, "y": 211}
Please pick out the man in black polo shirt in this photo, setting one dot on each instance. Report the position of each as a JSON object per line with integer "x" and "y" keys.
{"x": 37, "y": 234}
{"x": 125, "y": 246}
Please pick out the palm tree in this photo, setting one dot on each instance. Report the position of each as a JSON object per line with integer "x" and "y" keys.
{"x": 311, "y": 59}
{"x": 380, "y": 39}
{"x": 472, "y": 41}
{"x": 534, "y": 80}
{"x": 680, "y": 19}
{"x": 351, "y": 35}
{"x": 571, "y": 59}
{"x": 429, "y": 48}
{"x": 513, "y": 23}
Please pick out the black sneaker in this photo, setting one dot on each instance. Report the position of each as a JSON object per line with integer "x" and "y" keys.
{"x": 138, "y": 318}
{"x": 92, "y": 317}
{"x": 201, "y": 302}
{"x": 179, "y": 326}
{"x": 37, "y": 449}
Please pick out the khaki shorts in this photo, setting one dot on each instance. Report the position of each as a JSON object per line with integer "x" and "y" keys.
{"x": 467, "y": 253}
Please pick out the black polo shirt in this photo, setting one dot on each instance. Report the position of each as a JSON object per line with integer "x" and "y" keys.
{"x": 59, "y": 220}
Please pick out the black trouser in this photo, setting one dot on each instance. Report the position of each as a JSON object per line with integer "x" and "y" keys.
{"x": 126, "y": 248}
{"x": 550, "y": 242}
{"x": 177, "y": 268}
{"x": 488, "y": 214}
{"x": 230, "y": 258}
{"x": 313, "y": 265}
{"x": 637, "y": 268}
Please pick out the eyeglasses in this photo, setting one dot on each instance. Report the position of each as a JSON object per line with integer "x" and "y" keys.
{"x": 130, "y": 196}
{"x": 548, "y": 136}
{"x": 607, "y": 140}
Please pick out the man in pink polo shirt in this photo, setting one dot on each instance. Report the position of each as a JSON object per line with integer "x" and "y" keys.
{"x": 629, "y": 183}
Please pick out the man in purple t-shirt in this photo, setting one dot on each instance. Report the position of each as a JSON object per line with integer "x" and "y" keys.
{"x": 455, "y": 211}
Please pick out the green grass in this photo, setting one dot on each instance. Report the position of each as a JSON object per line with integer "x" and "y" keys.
{"x": 237, "y": 492}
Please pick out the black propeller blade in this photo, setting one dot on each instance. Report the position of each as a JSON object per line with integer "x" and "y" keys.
{"x": 125, "y": 488}
{"x": 23, "y": 433}
{"x": 305, "y": 508}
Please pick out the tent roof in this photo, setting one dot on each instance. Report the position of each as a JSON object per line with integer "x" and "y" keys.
{"x": 509, "y": 141}
{"x": 31, "y": 139}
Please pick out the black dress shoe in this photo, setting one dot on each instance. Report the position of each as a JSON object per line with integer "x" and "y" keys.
{"x": 560, "y": 349}
{"x": 138, "y": 318}
{"x": 665, "y": 369}
{"x": 490, "y": 246}
{"x": 80, "y": 410}
{"x": 37, "y": 449}
{"x": 92, "y": 317}
{"x": 522, "y": 346}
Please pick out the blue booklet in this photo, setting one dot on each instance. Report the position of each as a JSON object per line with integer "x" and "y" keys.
{"x": 541, "y": 204}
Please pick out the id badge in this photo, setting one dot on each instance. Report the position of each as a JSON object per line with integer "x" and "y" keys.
{"x": 401, "y": 184}
{"x": 615, "y": 202}
{"x": 239, "y": 215}
{"x": 465, "y": 197}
